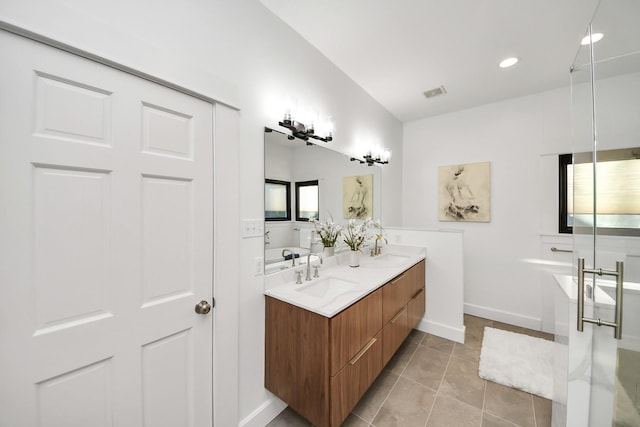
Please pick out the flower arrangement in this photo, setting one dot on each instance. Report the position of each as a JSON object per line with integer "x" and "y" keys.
{"x": 328, "y": 230}
{"x": 357, "y": 234}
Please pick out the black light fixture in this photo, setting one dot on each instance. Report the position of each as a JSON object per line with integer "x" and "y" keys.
{"x": 370, "y": 158}
{"x": 300, "y": 130}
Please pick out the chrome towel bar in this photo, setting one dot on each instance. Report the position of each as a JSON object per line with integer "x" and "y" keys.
{"x": 554, "y": 249}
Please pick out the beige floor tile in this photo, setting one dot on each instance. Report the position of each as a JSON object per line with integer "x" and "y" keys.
{"x": 368, "y": 406}
{"x": 542, "y": 411}
{"x": 408, "y": 405}
{"x": 628, "y": 386}
{"x": 437, "y": 343}
{"x": 474, "y": 321}
{"x": 400, "y": 360}
{"x": 508, "y": 403}
{"x": 416, "y": 336}
{"x": 467, "y": 351}
{"x": 489, "y": 420}
{"x": 461, "y": 381}
{"x": 452, "y": 412}
{"x": 427, "y": 367}
{"x": 474, "y": 332}
{"x": 354, "y": 421}
{"x": 627, "y": 397}
{"x": 289, "y": 418}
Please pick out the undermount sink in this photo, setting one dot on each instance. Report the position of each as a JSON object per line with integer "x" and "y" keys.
{"x": 327, "y": 288}
{"x": 385, "y": 260}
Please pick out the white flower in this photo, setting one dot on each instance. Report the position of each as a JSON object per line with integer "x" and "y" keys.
{"x": 357, "y": 234}
{"x": 329, "y": 231}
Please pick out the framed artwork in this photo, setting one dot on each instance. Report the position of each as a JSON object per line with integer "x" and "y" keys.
{"x": 357, "y": 196}
{"x": 464, "y": 192}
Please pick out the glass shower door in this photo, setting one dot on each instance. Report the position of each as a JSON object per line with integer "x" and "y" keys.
{"x": 606, "y": 210}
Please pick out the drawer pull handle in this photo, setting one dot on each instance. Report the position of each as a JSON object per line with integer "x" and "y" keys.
{"x": 363, "y": 351}
{"x": 398, "y": 315}
{"x": 417, "y": 294}
{"x": 398, "y": 279}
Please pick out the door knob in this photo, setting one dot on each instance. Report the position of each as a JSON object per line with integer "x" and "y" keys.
{"x": 203, "y": 307}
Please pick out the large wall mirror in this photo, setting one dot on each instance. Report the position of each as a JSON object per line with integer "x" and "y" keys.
{"x": 304, "y": 181}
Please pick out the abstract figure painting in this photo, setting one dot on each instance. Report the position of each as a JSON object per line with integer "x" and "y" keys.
{"x": 357, "y": 196}
{"x": 464, "y": 192}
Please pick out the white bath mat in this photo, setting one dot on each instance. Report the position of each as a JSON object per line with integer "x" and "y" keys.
{"x": 518, "y": 361}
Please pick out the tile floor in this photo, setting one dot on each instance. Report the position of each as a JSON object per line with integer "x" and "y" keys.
{"x": 434, "y": 382}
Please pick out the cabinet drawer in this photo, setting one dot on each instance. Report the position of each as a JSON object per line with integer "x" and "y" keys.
{"x": 416, "y": 309}
{"x": 394, "y": 333}
{"x": 350, "y": 384}
{"x": 417, "y": 277}
{"x": 353, "y": 328}
{"x": 395, "y": 295}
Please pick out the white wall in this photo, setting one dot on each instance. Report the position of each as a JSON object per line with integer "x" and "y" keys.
{"x": 505, "y": 274}
{"x": 501, "y": 281}
{"x": 239, "y": 42}
{"x": 444, "y": 315}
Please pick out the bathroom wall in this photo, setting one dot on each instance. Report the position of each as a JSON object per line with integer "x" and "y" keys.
{"x": 507, "y": 261}
{"x": 502, "y": 274}
{"x": 257, "y": 61}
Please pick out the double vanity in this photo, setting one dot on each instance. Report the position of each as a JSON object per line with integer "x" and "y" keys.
{"x": 328, "y": 338}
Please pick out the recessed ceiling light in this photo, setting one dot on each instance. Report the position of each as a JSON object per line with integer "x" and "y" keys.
{"x": 595, "y": 37}
{"x": 509, "y": 62}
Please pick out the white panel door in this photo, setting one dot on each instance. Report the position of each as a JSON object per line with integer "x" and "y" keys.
{"x": 105, "y": 245}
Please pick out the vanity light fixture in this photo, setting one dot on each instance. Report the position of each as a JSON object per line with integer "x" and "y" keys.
{"x": 304, "y": 132}
{"x": 370, "y": 158}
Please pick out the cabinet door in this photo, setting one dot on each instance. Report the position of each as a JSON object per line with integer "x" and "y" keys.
{"x": 416, "y": 308}
{"x": 350, "y": 384}
{"x": 394, "y": 333}
{"x": 395, "y": 295}
{"x": 353, "y": 328}
{"x": 297, "y": 359}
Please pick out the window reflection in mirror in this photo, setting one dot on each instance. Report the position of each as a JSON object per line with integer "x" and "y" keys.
{"x": 307, "y": 200}
{"x": 277, "y": 200}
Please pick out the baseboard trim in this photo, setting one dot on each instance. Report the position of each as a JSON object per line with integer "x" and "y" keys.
{"x": 264, "y": 413}
{"x": 444, "y": 331}
{"x": 503, "y": 316}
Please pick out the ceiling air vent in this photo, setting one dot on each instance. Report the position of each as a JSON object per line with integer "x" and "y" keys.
{"x": 435, "y": 92}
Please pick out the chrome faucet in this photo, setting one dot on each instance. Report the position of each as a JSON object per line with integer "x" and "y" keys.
{"x": 376, "y": 250}
{"x": 293, "y": 256}
{"x": 309, "y": 264}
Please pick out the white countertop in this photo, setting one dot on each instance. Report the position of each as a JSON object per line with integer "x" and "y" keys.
{"x": 349, "y": 284}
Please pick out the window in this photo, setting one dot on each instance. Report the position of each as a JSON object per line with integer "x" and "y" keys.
{"x": 277, "y": 200}
{"x": 307, "y": 200}
{"x": 565, "y": 219}
{"x": 618, "y": 189}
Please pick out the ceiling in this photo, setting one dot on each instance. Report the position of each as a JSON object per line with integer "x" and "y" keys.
{"x": 398, "y": 49}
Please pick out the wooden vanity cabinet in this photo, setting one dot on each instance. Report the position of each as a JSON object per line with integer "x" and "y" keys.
{"x": 321, "y": 366}
{"x": 417, "y": 304}
{"x": 403, "y": 306}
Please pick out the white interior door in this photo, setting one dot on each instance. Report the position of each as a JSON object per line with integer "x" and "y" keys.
{"x": 105, "y": 245}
